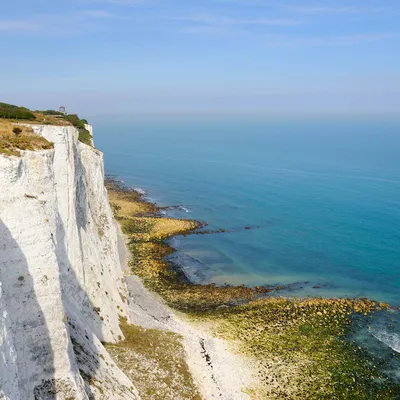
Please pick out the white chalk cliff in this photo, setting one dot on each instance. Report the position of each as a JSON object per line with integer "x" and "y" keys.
{"x": 60, "y": 275}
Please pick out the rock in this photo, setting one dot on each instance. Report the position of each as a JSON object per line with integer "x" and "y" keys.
{"x": 56, "y": 222}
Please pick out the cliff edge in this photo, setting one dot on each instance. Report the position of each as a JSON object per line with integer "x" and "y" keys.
{"x": 61, "y": 283}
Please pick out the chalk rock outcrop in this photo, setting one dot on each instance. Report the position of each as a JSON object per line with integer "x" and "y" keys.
{"x": 61, "y": 284}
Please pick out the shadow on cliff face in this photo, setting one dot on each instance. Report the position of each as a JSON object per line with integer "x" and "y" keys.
{"x": 27, "y": 369}
{"x": 82, "y": 212}
{"x": 82, "y": 204}
{"x": 74, "y": 301}
{"x": 30, "y": 368}
{"x": 84, "y": 215}
{"x": 24, "y": 323}
{"x": 79, "y": 310}
{"x": 83, "y": 321}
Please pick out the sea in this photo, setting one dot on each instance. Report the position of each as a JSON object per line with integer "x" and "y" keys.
{"x": 309, "y": 203}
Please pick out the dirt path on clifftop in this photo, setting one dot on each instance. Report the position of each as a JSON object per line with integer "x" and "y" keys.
{"x": 218, "y": 372}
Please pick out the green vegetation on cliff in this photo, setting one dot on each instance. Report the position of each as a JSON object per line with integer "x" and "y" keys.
{"x": 9, "y": 111}
{"x": 160, "y": 352}
{"x": 48, "y": 117}
{"x": 14, "y": 138}
{"x": 73, "y": 119}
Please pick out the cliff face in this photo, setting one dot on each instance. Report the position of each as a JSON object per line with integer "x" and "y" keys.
{"x": 60, "y": 275}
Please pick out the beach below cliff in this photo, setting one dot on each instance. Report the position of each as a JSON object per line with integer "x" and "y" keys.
{"x": 240, "y": 342}
{"x": 217, "y": 371}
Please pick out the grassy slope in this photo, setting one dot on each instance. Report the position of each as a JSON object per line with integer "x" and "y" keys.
{"x": 155, "y": 361}
{"x": 11, "y": 143}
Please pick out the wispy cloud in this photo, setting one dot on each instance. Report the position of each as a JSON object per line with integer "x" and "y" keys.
{"x": 214, "y": 20}
{"x": 19, "y": 26}
{"x": 329, "y": 9}
{"x": 101, "y": 14}
{"x": 202, "y": 30}
{"x": 128, "y": 3}
{"x": 321, "y": 9}
{"x": 58, "y": 24}
{"x": 338, "y": 40}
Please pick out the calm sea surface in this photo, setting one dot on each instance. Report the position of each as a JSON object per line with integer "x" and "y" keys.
{"x": 325, "y": 194}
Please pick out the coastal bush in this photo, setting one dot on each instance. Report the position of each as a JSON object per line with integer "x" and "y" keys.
{"x": 85, "y": 136}
{"x": 47, "y": 117}
{"x": 76, "y": 121}
{"x": 80, "y": 124}
{"x": 59, "y": 118}
{"x": 52, "y": 112}
{"x": 10, "y": 111}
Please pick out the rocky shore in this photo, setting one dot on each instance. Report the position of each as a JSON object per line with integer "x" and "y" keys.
{"x": 297, "y": 348}
{"x": 216, "y": 371}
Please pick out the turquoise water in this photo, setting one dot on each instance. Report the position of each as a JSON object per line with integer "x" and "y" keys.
{"x": 325, "y": 194}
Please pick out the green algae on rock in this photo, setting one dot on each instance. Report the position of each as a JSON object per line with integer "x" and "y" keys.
{"x": 301, "y": 351}
{"x": 299, "y": 348}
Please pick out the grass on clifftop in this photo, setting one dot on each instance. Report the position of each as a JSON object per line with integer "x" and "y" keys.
{"x": 14, "y": 138}
{"x": 57, "y": 118}
{"x": 299, "y": 349}
{"x": 16, "y": 114}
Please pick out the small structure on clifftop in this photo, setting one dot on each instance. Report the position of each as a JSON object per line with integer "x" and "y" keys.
{"x": 61, "y": 109}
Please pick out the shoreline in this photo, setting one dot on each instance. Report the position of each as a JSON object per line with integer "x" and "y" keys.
{"x": 297, "y": 346}
{"x": 216, "y": 371}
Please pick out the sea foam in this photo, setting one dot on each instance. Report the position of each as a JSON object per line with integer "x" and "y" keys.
{"x": 140, "y": 190}
{"x": 390, "y": 339}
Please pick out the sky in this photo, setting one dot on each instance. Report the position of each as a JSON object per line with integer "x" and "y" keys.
{"x": 103, "y": 57}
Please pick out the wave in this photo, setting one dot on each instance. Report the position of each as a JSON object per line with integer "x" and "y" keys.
{"x": 179, "y": 208}
{"x": 390, "y": 339}
{"x": 140, "y": 190}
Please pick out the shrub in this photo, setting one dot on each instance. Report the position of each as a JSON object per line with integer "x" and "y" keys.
{"x": 85, "y": 136}
{"x": 76, "y": 121}
{"x": 11, "y": 111}
{"x": 52, "y": 112}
